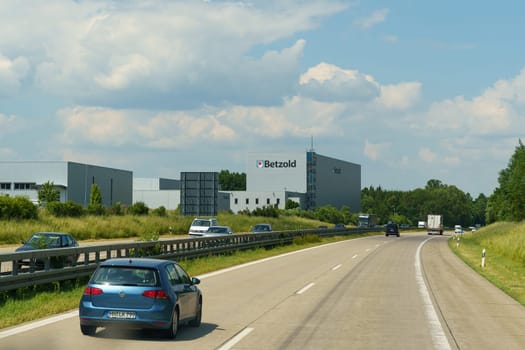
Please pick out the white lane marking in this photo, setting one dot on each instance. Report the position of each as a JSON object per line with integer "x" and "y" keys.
{"x": 41, "y": 323}
{"x": 438, "y": 335}
{"x": 305, "y": 288}
{"x": 336, "y": 267}
{"x": 233, "y": 268}
{"x": 355, "y": 256}
{"x": 367, "y": 250}
{"x": 231, "y": 343}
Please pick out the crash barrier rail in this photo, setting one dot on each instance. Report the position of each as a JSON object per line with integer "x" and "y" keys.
{"x": 28, "y": 268}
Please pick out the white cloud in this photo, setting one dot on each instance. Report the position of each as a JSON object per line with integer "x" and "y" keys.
{"x": 199, "y": 128}
{"x": 372, "y": 20}
{"x": 400, "y": 96}
{"x": 482, "y": 115}
{"x": 9, "y": 124}
{"x": 327, "y": 82}
{"x": 101, "y": 50}
{"x": 427, "y": 155}
{"x": 375, "y": 151}
{"x": 123, "y": 72}
{"x": 12, "y": 72}
{"x": 391, "y": 39}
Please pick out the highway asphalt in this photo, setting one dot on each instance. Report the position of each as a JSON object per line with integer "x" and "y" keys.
{"x": 369, "y": 293}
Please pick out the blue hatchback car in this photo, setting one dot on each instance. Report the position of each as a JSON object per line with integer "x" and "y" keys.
{"x": 140, "y": 293}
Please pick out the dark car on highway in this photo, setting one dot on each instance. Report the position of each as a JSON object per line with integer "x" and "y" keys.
{"x": 261, "y": 228}
{"x": 392, "y": 229}
{"x": 140, "y": 293}
{"x": 48, "y": 240}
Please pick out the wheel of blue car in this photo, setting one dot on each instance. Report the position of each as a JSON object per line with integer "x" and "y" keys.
{"x": 196, "y": 322}
{"x": 88, "y": 330}
{"x": 172, "y": 331}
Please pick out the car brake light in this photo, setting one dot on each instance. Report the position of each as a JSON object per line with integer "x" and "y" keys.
{"x": 93, "y": 291}
{"x": 155, "y": 294}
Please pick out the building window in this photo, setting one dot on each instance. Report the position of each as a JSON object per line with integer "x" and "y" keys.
{"x": 257, "y": 201}
{"x": 278, "y": 201}
{"x": 24, "y": 185}
{"x": 267, "y": 200}
{"x": 5, "y": 186}
{"x": 236, "y": 200}
{"x": 337, "y": 170}
{"x": 247, "y": 200}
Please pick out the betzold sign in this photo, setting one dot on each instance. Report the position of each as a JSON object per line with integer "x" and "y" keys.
{"x": 276, "y": 164}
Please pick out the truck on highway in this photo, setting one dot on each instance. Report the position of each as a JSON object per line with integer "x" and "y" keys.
{"x": 367, "y": 220}
{"x": 434, "y": 224}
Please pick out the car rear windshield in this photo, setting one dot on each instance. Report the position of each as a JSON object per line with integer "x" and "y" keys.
{"x": 126, "y": 276}
{"x": 201, "y": 223}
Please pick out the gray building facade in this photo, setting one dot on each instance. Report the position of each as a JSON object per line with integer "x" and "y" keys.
{"x": 308, "y": 178}
{"x": 72, "y": 180}
{"x": 332, "y": 182}
{"x": 199, "y": 193}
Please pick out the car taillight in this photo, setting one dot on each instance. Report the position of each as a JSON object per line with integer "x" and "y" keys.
{"x": 92, "y": 291}
{"x": 155, "y": 294}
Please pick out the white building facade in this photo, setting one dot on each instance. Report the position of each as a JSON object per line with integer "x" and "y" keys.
{"x": 157, "y": 192}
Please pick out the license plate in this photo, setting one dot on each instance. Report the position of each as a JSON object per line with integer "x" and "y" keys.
{"x": 122, "y": 314}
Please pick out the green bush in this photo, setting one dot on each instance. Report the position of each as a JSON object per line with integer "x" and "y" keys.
{"x": 290, "y": 204}
{"x": 266, "y": 211}
{"x": 67, "y": 209}
{"x": 17, "y": 208}
{"x": 116, "y": 209}
{"x": 160, "y": 211}
{"x": 139, "y": 208}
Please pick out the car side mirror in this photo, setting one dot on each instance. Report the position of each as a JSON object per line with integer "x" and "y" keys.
{"x": 195, "y": 280}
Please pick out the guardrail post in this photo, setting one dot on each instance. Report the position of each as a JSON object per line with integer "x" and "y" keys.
{"x": 483, "y": 258}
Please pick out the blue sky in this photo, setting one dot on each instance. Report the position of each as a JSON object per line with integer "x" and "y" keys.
{"x": 411, "y": 90}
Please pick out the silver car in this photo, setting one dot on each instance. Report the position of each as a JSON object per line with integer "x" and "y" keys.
{"x": 218, "y": 231}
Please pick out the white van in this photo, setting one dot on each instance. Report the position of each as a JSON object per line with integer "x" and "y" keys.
{"x": 200, "y": 226}
{"x": 458, "y": 229}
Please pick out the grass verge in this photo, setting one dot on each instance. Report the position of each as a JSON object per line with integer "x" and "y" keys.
{"x": 29, "y": 304}
{"x": 504, "y": 245}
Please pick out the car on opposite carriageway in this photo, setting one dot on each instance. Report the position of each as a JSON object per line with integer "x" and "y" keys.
{"x": 262, "y": 228}
{"x": 48, "y": 240}
{"x": 200, "y": 226}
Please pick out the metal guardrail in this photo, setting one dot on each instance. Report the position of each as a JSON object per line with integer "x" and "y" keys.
{"x": 51, "y": 265}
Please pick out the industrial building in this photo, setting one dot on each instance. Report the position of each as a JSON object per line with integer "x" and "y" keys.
{"x": 307, "y": 178}
{"x": 72, "y": 180}
{"x": 310, "y": 179}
